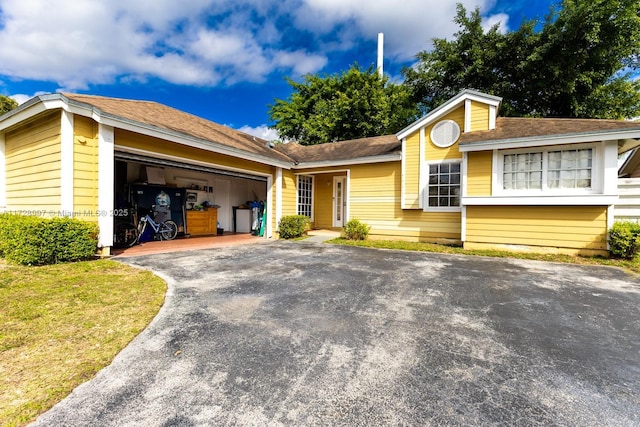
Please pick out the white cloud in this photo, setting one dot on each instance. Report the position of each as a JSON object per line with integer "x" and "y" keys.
{"x": 501, "y": 19}
{"x": 204, "y": 42}
{"x": 200, "y": 42}
{"x": 409, "y": 27}
{"x": 21, "y": 98}
{"x": 262, "y": 131}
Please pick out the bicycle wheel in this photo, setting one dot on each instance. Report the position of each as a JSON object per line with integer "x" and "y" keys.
{"x": 168, "y": 230}
{"x": 125, "y": 235}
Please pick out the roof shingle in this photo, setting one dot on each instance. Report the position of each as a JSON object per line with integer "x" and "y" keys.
{"x": 508, "y": 128}
{"x": 164, "y": 117}
{"x": 342, "y": 150}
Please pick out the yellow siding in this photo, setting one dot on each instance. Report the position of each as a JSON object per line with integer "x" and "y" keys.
{"x": 434, "y": 153}
{"x": 479, "y": 116}
{"x": 153, "y": 145}
{"x": 412, "y": 171}
{"x": 479, "y": 173}
{"x": 33, "y": 165}
{"x": 581, "y": 229}
{"x": 289, "y": 193}
{"x": 375, "y": 199}
{"x": 85, "y": 166}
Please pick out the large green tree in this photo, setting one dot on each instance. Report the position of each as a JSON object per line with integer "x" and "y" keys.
{"x": 7, "y": 104}
{"x": 353, "y": 104}
{"x": 579, "y": 63}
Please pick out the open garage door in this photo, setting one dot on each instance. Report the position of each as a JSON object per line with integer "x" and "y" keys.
{"x": 233, "y": 193}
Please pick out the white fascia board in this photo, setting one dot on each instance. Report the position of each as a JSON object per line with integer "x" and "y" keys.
{"x": 542, "y": 141}
{"x": 358, "y": 161}
{"x": 447, "y": 107}
{"x": 559, "y": 200}
{"x": 21, "y": 115}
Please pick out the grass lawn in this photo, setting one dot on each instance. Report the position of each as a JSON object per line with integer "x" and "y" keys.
{"x": 632, "y": 265}
{"x": 61, "y": 324}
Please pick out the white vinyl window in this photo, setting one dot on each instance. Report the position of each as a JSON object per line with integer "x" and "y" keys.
{"x": 566, "y": 169}
{"x": 305, "y": 195}
{"x": 443, "y": 189}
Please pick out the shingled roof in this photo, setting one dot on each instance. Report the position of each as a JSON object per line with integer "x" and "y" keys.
{"x": 342, "y": 150}
{"x": 163, "y": 117}
{"x": 511, "y": 128}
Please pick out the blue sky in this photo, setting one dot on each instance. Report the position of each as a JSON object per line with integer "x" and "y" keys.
{"x": 219, "y": 59}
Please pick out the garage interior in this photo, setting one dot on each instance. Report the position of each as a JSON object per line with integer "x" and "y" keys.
{"x": 201, "y": 200}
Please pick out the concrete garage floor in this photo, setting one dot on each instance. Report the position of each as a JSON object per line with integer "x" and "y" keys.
{"x": 300, "y": 333}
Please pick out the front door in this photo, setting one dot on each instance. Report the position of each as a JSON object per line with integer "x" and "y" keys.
{"x": 339, "y": 200}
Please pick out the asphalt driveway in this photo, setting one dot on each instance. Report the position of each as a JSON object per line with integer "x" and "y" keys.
{"x": 288, "y": 333}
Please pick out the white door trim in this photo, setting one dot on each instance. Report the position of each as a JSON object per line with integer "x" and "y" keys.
{"x": 339, "y": 200}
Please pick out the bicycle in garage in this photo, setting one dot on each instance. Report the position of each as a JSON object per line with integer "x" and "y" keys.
{"x": 127, "y": 234}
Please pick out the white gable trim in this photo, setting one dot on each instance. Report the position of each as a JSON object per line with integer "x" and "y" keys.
{"x": 449, "y": 106}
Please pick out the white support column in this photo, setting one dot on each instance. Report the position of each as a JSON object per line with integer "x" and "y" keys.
{"x": 493, "y": 113}
{"x": 610, "y": 184}
{"x": 106, "y": 176}
{"x": 278, "y": 195}
{"x": 3, "y": 175}
{"x": 347, "y": 190}
{"x": 422, "y": 172}
{"x": 268, "y": 228}
{"x": 66, "y": 164}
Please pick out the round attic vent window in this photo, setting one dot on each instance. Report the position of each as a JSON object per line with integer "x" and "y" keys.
{"x": 445, "y": 133}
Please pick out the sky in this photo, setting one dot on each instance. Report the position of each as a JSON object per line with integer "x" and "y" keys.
{"x": 223, "y": 60}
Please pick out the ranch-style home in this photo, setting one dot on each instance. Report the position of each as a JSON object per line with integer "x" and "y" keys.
{"x": 460, "y": 174}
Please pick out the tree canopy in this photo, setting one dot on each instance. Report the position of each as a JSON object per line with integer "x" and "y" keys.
{"x": 353, "y": 104}
{"x": 7, "y": 104}
{"x": 578, "y": 64}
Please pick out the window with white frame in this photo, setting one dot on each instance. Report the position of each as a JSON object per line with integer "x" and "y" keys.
{"x": 305, "y": 195}
{"x": 443, "y": 189}
{"x": 565, "y": 169}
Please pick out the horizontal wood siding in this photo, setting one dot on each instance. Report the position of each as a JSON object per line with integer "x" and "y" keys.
{"x": 479, "y": 116}
{"x": 628, "y": 206}
{"x": 289, "y": 193}
{"x": 153, "y": 145}
{"x": 412, "y": 171}
{"x": 374, "y": 197}
{"x": 571, "y": 227}
{"x": 479, "y": 173}
{"x": 434, "y": 153}
{"x": 85, "y": 159}
{"x": 33, "y": 165}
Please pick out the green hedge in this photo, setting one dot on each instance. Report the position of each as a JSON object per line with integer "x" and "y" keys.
{"x": 30, "y": 240}
{"x": 292, "y": 226}
{"x": 356, "y": 230}
{"x": 624, "y": 239}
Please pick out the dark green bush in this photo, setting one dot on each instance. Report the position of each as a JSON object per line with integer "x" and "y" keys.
{"x": 292, "y": 226}
{"x": 30, "y": 240}
{"x": 624, "y": 239}
{"x": 356, "y": 230}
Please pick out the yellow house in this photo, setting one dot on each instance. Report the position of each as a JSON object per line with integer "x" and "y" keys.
{"x": 458, "y": 175}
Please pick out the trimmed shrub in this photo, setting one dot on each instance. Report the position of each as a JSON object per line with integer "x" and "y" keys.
{"x": 624, "y": 239}
{"x": 356, "y": 230}
{"x": 292, "y": 226}
{"x": 30, "y": 240}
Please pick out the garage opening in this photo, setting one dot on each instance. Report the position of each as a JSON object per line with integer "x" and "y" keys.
{"x": 201, "y": 200}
